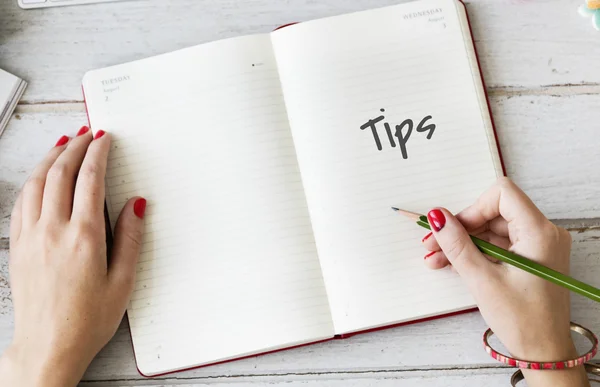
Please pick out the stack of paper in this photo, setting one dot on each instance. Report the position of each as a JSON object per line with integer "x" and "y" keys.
{"x": 11, "y": 90}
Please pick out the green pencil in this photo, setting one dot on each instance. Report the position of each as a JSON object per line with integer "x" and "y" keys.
{"x": 521, "y": 262}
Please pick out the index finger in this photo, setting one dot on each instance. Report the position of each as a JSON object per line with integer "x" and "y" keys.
{"x": 88, "y": 202}
{"x": 504, "y": 199}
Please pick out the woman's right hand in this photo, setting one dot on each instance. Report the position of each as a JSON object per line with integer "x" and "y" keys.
{"x": 530, "y": 316}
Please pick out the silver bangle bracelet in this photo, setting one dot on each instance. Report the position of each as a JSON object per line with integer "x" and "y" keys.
{"x": 590, "y": 368}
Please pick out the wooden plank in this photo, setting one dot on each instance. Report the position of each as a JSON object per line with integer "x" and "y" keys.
{"x": 453, "y": 342}
{"x": 549, "y": 147}
{"x": 521, "y": 43}
{"x": 447, "y": 378}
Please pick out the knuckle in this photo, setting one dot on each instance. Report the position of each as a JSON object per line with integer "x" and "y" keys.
{"x": 565, "y": 236}
{"x": 84, "y": 231}
{"x": 549, "y": 230}
{"x": 58, "y": 171}
{"x": 505, "y": 182}
{"x": 48, "y": 229}
{"x": 133, "y": 237}
{"x": 33, "y": 184}
{"x": 87, "y": 235}
{"x": 455, "y": 249}
{"x": 557, "y": 236}
{"x": 90, "y": 171}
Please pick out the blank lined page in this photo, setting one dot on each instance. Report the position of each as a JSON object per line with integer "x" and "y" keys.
{"x": 346, "y": 81}
{"x": 229, "y": 264}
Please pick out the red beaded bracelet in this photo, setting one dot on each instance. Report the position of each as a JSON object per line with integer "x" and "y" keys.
{"x": 545, "y": 365}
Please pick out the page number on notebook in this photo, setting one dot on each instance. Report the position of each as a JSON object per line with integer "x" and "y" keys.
{"x": 402, "y": 132}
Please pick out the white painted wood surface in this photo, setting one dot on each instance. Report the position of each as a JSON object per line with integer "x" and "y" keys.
{"x": 448, "y": 344}
{"x": 540, "y": 63}
{"x": 454, "y": 378}
{"x": 521, "y": 43}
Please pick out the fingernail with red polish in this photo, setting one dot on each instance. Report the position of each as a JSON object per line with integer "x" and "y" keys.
{"x": 429, "y": 255}
{"x": 426, "y": 237}
{"x": 99, "y": 134}
{"x": 139, "y": 208}
{"x": 437, "y": 220}
{"x": 62, "y": 141}
{"x": 83, "y": 130}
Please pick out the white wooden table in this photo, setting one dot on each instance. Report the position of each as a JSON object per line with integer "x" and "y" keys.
{"x": 541, "y": 64}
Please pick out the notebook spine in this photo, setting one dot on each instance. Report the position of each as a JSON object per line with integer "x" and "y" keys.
{"x": 487, "y": 96}
{"x": 348, "y": 335}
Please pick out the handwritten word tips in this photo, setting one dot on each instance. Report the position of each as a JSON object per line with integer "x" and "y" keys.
{"x": 402, "y": 132}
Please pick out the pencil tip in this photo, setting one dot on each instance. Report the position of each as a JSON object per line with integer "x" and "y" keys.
{"x": 412, "y": 215}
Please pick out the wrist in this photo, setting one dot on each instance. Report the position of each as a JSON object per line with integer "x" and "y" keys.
{"x": 570, "y": 377}
{"x": 543, "y": 349}
{"x": 560, "y": 349}
{"x": 21, "y": 367}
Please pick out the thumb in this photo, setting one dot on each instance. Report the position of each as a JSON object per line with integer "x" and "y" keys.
{"x": 127, "y": 245}
{"x": 457, "y": 245}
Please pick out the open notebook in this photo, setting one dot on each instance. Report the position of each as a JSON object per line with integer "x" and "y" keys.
{"x": 270, "y": 173}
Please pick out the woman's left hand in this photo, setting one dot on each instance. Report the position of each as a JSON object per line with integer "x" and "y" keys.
{"x": 68, "y": 298}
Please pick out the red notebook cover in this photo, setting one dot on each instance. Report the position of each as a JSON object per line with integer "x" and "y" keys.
{"x": 342, "y": 336}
